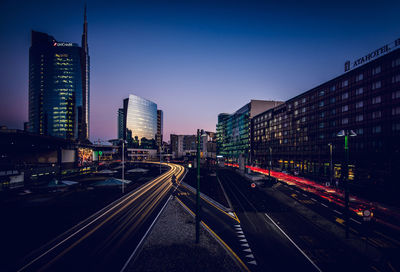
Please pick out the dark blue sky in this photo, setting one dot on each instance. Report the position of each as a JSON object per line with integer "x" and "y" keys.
{"x": 194, "y": 59}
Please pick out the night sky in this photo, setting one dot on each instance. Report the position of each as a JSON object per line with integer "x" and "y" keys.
{"x": 195, "y": 59}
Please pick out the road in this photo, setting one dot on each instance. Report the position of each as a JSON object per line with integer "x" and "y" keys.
{"x": 266, "y": 234}
{"x": 106, "y": 240}
{"x": 254, "y": 239}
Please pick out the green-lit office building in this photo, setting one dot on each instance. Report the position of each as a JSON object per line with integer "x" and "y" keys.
{"x": 233, "y": 130}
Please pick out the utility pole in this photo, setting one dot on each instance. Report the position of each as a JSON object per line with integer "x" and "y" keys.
{"x": 270, "y": 162}
{"x": 123, "y": 166}
{"x": 345, "y": 173}
{"x": 331, "y": 164}
{"x": 198, "y": 189}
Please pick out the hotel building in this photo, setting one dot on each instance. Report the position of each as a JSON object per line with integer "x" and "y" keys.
{"x": 297, "y": 135}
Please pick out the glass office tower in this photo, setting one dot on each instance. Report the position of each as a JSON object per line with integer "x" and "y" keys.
{"x": 59, "y": 87}
{"x": 55, "y": 87}
{"x": 139, "y": 124}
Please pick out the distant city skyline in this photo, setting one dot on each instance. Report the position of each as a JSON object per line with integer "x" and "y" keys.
{"x": 195, "y": 60}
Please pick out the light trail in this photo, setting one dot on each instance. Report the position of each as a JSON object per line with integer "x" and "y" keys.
{"x": 126, "y": 215}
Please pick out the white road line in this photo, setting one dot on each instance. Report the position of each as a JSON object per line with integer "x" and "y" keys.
{"x": 302, "y": 252}
{"x": 237, "y": 225}
{"x": 245, "y": 245}
{"x": 241, "y": 236}
{"x": 250, "y": 256}
{"x": 145, "y": 235}
{"x": 252, "y": 262}
{"x": 241, "y": 232}
{"x": 324, "y": 205}
{"x": 337, "y": 212}
{"x": 247, "y": 250}
{"x": 304, "y": 195}
{"x": 355, "y": 221}
{"x": 243, "y": 240}
{"x": 313, "y": 199}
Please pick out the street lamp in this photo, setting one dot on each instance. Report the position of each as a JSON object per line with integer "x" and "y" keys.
{"x": 270, "y": 162}
{"x": 123, "y": 164}
{"x": 345, "y": 177}
{"x": 200, "y": 133}
{"x": 331, "y": 163}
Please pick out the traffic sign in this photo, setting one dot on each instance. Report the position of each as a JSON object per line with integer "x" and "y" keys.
{"x": 253, "y": 185}
{"x": 367, "y": 215}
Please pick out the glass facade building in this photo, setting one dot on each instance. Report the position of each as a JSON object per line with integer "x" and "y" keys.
{"x": 58, "y": 87}
{"x": 139, "y": 124}
{"x": 233, "y": 130}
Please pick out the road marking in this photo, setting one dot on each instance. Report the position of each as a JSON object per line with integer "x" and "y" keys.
{"x": 241, "y": 236}
{"x": 250, "y": 256}
{"x": 233, "y": 254}
{"x": 243, "y": 240}
{"x": 252, "y": 262}
{"x": 324, "y": 205}
{"x": 247, "y": 250}
{"x": 145, "y": 235}
{"x": 313, "y": 199}
{"x": 302, "y": 252}
{"x": 237, "y": 225}
{"x": 337, "y": 212}
{"x": 241, "y": 232}
{"x": 355, "y": 221}
{"x": 245, "y": 245}
{"x": 339, "y": 220}
{"x": 304, "y": 195}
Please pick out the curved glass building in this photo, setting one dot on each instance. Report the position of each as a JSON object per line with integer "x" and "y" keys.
{"x": 139, "y": 122}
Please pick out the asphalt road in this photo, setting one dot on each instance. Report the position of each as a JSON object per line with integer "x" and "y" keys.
{"x": 106, "y": 240}
{"x": 256, "y": 241}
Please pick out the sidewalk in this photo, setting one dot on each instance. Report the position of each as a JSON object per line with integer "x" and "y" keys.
{"x": 171, "y": 246}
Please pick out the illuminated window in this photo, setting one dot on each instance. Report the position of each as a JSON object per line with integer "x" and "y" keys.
{"x": 322, "y": 93}
{"x": 333, "y": 87}
{"x": 376, "y": 70}
{"x": 345, "y": 95}
{"x": 396, "y": 62}
{"x": 345, "y": 83}
{"x": 359, "y": 77}
{"x": 359, "y": 104}
{"x": 376, "y": 85}
{"x": 359, "y": 91}
{"x": 376, "y": 100}
{"x": 395, "y": 94}
{"x": 345, "y": 121}
{"x": 321, "y": 103}
{"x": 359, "y": 118}
{"x": 345, "y": 108}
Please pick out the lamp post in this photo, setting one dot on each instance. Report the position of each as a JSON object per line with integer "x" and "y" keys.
{"x": 160, "y": 159}
{"x": 198, "y": 208}
{"x": 270, "y": 162}
{"x": 345, "y": 170}
{"x": 123, "y": 166}
{"x": 331, "y": 164}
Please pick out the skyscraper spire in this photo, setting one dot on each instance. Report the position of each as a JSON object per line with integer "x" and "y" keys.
{"x": 85, "y": 67}
{"x": 85, "y": 31}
